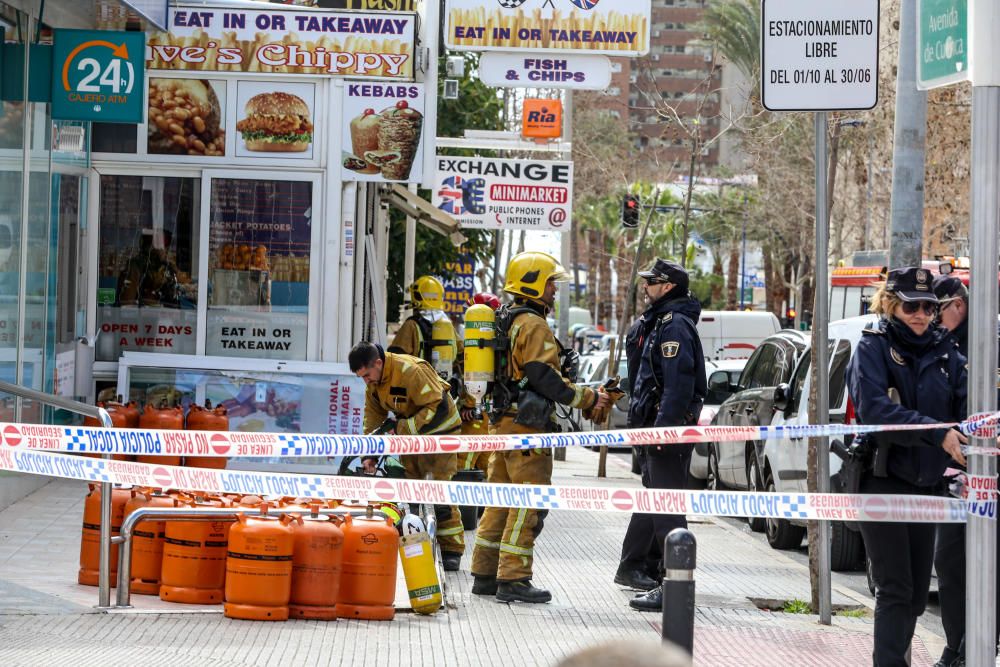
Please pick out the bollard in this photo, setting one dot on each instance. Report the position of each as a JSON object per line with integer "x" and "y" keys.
{"x": 679, "y": 552}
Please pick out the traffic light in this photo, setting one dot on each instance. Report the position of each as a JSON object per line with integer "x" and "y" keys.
{"x": 789, "y": 318}
{"x": 630, "y": 211}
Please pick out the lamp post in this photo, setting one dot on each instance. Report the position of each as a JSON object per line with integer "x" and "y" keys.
{"x": 743, "y": 259}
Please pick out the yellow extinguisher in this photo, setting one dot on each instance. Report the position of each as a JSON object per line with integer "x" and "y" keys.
{"x": 480, "y": 325}
{"x": 445, "y": 348}
{"x": 416, "y": 553}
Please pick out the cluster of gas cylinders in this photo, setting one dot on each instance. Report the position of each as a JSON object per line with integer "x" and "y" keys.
{"x": 299, "y": 564}
{"x": 281, "y": 558}
{"x": 128, "y": 415}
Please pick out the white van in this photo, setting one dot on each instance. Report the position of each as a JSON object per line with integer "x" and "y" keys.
{"x": 732, "y": 334}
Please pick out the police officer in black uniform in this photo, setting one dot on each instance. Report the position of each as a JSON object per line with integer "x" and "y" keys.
{"x": 905, "y": 370}
{"x": 666, "y": 362}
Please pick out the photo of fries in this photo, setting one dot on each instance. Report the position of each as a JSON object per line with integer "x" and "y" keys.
{"x": 497, "y": 22}
{"x": 230, "y": 54}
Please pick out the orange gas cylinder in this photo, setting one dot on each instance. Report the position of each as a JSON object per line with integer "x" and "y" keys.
{"x": 194, "y": 559}
{"x": 119, "y": 419}
{"x": 90, "y": 540}
{"x": 368, "y": 577}
{"x": 316, "y": 564}
{"x": 206, "y": 419}
{"x": 147, "y": 542}
{"x": 259, "y": 567}
{"x": 162, "y": 418}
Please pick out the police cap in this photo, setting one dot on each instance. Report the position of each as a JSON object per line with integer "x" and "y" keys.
{"x": 665, "y": 271}
{"x": 948, "y": 288}
{"x": 911, "y": 284}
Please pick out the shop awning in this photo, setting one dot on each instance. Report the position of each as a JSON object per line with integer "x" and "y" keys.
{"x": 418, "y": 208}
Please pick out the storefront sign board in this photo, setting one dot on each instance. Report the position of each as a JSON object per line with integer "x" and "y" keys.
{"x": 613, "y": 27}
{"x": 382, "y": 132}
{"x": 461, "y": 286}
{"x": 488, "y": 193}
{"x": 526, "y": 70}
{"x": 285, "y": 41}
{"x": 148, "y": 329}
{"x": 98, "y": 75}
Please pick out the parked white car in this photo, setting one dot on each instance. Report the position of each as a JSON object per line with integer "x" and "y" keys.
{"x": 784, "y": 460}
{"x": 722, "y": 376}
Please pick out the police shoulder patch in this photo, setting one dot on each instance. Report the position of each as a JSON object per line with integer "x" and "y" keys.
{"x": 670, "y": 349}
{"x": 896, "y": 357}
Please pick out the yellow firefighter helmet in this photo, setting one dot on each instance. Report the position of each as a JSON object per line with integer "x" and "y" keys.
{"x": 528, "y": 272}
{"x": 427, "y": 293}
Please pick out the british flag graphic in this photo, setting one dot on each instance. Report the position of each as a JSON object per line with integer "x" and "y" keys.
{"x": 460, "y": 195}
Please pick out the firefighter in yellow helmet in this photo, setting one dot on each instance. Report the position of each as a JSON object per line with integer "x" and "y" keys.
{"x": 528, "y": 383}
{"x": 421, "y": 404}
{"x": 416, "y": 335}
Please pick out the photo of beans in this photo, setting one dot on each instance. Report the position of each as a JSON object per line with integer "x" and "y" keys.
{"x": 185, "y": 117}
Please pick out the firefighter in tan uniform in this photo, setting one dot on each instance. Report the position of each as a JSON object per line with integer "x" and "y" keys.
{"x": 523, "y": 402}
{"x": 420, "y": 401}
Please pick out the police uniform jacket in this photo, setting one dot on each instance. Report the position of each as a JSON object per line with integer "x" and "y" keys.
{"x": 415, "y": 394}
{"x": 534, "y": 354}
{"x": 931, "y": 387}
{"x": 667, "y": 364}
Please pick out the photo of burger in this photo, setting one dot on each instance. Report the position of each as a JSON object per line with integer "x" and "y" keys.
{"x": 276, "y": 122}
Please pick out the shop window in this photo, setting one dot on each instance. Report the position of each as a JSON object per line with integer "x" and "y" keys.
{"x": 147, "y": 292}
{"x": 259, "y": 242}
{"x": 113, "y": 138}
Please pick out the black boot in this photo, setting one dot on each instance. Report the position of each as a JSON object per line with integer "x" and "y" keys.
{"x": 651, "y": 601}
{"x": 484, "y": 585}
{"x": 633, "y": 578}
{"x": 521, "y": 591}
{"x": 450, "y": 561}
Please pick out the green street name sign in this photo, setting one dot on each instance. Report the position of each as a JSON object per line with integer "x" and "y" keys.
{"x": 942, "y": 42}
{"x": 98, "y": 75}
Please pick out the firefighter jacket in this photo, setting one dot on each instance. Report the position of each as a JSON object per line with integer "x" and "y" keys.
{"x": 666, "y": 363}
{"x": 896, "y": 377}
{"x": 410, "y": 339}
{"x": 415, "y": 394}
{"x": 534, "y": 354}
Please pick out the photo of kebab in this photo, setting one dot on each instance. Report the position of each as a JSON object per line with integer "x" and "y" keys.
{"x": 277, "y": 123}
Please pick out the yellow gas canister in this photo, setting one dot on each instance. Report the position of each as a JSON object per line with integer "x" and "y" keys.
{"x": 480, "y": 330}
{"x": 417, "y": 555}
{"x": 444, "y": 350}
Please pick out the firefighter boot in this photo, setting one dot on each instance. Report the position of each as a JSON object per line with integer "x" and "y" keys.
{"x": 484, "y": 585}
{"x": 450, "y": 561}
{"x": 521, "y": 591}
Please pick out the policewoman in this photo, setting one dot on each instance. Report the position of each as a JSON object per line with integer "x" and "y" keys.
{"x": 906, "y": 370}
{"x": 667, "y": 363}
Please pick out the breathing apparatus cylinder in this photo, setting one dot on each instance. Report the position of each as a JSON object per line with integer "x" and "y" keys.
{"x": 480, "y": 330}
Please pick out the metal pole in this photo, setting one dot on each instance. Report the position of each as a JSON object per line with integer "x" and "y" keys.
{"x": 868, "y": 192}
{"x": 743, "y": 260}
{"x": 981, "y": 545}
{"x": 680, "y": 551}
{"x": 910, "y": 131}
{"x": 821, "y": 358}
{"x": 409, "y": 259}
{"x": 22, "y": 265}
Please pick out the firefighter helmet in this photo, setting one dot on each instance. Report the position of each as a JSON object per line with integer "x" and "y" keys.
{"x": 427, "y": 293}
{"x": 528, "y": 272}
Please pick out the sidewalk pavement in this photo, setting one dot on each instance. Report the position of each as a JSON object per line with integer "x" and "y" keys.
{"x": 47, "y": 619}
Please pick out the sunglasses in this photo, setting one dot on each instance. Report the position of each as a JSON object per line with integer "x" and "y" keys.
{"x": 911, "y": 307}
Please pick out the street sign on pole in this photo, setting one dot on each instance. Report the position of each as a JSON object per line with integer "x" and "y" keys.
{"x": 819, "y": 56}
{"x": 942, "y": 42}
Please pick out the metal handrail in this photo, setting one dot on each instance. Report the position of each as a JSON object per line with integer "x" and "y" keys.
{"x": 124, "y": 539}
{"x": 100, "y": 414}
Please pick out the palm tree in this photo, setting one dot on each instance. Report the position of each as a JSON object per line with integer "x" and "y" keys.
{"x": 733, "y": 26}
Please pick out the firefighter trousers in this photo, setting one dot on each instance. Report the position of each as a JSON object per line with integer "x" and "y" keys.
{"x": 475, "y": 460}
{"x": 450, "y": 534}
{"x": 505, "y": 539}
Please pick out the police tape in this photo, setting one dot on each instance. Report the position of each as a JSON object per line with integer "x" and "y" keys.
{"x": 156, "y": 442}
{"x": 793, "y": 506}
